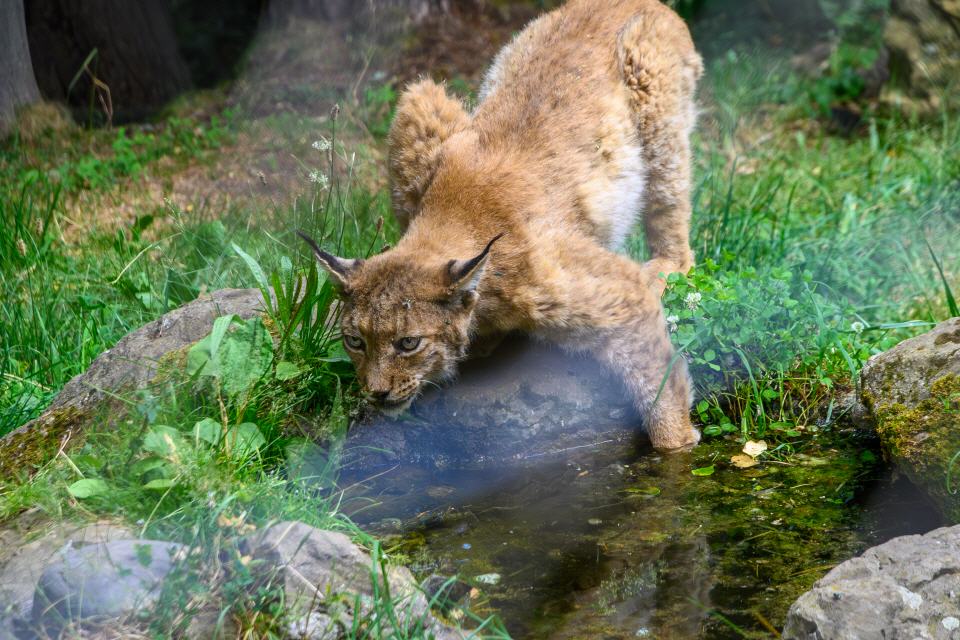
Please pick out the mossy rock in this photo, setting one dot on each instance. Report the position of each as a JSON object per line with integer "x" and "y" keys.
{"x": 924, "y": 442}
{"x": 22, "y": 451}
{"x": 911, "y": 396}
{"x": 905, "y": 374}
{"x": 150, "y": 352}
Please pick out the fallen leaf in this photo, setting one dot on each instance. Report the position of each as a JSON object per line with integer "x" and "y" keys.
{"x": 753, "y": 448}
{"x": 703, "y": 471}
{"x": 743, "y": 462}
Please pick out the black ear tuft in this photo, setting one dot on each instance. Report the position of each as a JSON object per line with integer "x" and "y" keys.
{"x": 340, "y": 270}
{"x": 464, "y": 275}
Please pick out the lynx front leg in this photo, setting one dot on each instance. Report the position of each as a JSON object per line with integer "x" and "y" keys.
{"x": 641, "y": 353}
{"x": 608, "y": 309}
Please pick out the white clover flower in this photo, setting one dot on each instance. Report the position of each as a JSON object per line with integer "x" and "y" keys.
{"x": 672, "y": 322}
{"x": 321, "y": 145}
{"x": 692, "y": 300}
{"x": 319, "y": 178}
{"x": 857, "y": 326}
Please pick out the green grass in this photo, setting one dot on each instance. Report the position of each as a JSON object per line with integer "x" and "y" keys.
{"x": 815, "y": 251}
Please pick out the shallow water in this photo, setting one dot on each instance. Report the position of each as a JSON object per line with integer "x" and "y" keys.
{"x": 620, "y": 542}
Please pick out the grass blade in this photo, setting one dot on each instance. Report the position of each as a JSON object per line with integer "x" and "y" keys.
{"x": 951, "y": 301}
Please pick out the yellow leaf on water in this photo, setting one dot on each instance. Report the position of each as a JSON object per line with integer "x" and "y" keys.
{"x": 753, "y": 448}
{"x": 743, "y": 462}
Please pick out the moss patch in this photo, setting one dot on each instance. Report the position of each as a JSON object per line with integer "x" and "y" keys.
{"x": 923, "y": 440}
{"x": 22, "y": 451}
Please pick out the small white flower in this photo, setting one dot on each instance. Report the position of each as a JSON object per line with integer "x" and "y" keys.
{"x": 857, "y": 327}
{"x": 692, "y": 300}
{"x": 321, "y": 145}
{"x": 672, "y": 322}
{"x": 318, "y": 178}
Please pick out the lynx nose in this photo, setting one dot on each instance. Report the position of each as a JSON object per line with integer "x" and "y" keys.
{"x": 379, "y": 396}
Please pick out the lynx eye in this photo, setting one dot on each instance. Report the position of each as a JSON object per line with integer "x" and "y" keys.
{"x": 409, "y": 343}
{"x": 353, "y": 342}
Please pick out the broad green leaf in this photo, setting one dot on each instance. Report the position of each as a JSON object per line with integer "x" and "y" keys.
{"x": 287, "y": 370}
{"x": 162, "y": 440}
{"x": 237, "y": 352}
{"x": 88, "y": 487}
{"x": 244, "y": 440}
{"x": 208, "y": 430}
{"x": 141, "y": 467}
{"x": 245, "y": 356}
{"x": 160, "y": 483}
{"x": 704, "y": 471}
{"x": 201, "y": 358}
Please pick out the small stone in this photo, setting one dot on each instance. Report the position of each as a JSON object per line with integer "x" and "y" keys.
{"x": 444, "y": 592}
{"x": 595, "y": 522}
{"x": 950, "y": 623}
{"x": 488, "y": 578}
{"x": 313, "y": 626}
{"x": 311, "y": 564}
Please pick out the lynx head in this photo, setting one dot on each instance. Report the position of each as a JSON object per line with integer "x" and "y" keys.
{"x": 405, "y": 321}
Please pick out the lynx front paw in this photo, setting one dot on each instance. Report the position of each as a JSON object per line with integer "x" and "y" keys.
{"x": 682, "y": 437}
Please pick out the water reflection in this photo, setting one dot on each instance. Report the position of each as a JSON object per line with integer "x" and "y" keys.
{"x": 604, "y": 538}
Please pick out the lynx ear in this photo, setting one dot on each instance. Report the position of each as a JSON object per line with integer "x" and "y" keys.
{"x": 464, "y": 275}
{"x": 339, "y": 269}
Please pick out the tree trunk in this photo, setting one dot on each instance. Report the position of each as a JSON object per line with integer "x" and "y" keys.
{"x": 137, "y": 55}
{"x": 17, "y": 83}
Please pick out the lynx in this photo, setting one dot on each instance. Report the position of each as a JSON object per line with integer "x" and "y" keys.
{"x": 513, "y": 214}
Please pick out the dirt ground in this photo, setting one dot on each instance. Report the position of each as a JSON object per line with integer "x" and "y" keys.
{"x": 295, "y": 73}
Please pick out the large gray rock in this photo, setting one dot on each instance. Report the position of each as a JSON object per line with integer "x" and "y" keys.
{"x": 131, "y": 364}
{"x": 905, "y": 589}
{"x": 26, "y": 546}
{"x": 318, "y": 569}
{"x": 923, "y": 38}
{"x": 911, "y": 396}
{"x": 100, "y": 581}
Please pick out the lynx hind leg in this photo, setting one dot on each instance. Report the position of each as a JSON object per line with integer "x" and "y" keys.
{"x": 621, "y": 323}
{"x": 426, "y": 116}
{"x": 661, "y": 67}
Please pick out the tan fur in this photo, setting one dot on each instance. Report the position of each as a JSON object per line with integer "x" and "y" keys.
{"x": 584, "y": 121}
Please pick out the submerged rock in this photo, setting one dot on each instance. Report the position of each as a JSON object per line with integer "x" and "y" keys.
{"x": 526, "y": 403}
{"x": 911, "y": 396}
{"x": 131, "y": 364}
{"x": 904, "y": 588}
